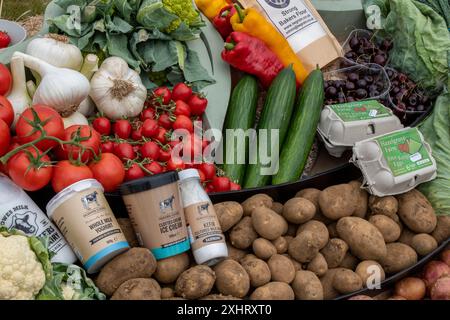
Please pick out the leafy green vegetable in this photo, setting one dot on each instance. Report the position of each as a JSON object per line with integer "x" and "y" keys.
{"x": 440, "y": 6}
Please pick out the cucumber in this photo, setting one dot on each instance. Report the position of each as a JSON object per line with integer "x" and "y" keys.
{"x": 276, "y": 114}
{"x": 240, "y": 115}
{"x": 298, "y": 143}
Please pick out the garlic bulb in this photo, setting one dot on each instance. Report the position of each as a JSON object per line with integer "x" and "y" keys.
{"x": 18, "y": 97}
{"x": 75, "y": 118}
{"x": 117, "y": 90}
{"x": 87, "y": 107}
{"x": 62, "y": 89}
{"x": 56, "y": 50}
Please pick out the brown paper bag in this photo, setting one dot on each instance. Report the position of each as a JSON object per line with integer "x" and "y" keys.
{"x": 300, "y": 23}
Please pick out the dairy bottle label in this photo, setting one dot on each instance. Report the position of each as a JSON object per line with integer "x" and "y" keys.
{"x": 360, "y": 110}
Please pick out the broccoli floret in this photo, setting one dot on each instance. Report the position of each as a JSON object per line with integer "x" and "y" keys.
{"x": 185, "y": 10}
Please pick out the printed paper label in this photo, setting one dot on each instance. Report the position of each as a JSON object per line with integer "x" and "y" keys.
{"x": 360, "y": 110}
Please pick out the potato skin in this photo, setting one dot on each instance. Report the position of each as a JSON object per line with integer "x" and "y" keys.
{"x": 406, "y": 236}
{"x": 307, "y": 286}
{"x": 243, "y": 234}
{"x": 329, "y": 292}
{"x": 423, "y": 243}
{"x": 442, "y": 230}
{"x": 263, "y": 248}
{"x": 365, "y": 241}
{"x": 258, "y": 271}
{"x": 281, "y": 268}
{"x": 138, "y": 289}
{"x": 195, "y": 282}
{"x": 268, "y": 224}
{"x": 346, "y": 281}
{"x": 273, "y": 291}
{"x": 219, "y": 297}
{"x": 399, "y": 256}
{"x": 168, "y": 270}
{"x": 368, "y": 268}
{"x": 280, "y": 244}
{"x": 310, "y": 194}
{"x": 298, "y": 210}
{"x": 167, "y": 293}
{"x": 387, "y": 206}
{"x": 332, "y": 231}
{"x": 337, "y": 201}
{"x": 128, "y": 231}
{"x": 349, "y": 261}
{"x": 134, "y": 263}
{"x": 304, "y": 247}
{"x": 277, "y": 207}
{"x": 334, "y": 252}
{"x": 319, "y": 230}
{"x": 318, "y": 265}
{"x": 416, "y": 212}
{"x": 258, "y": 200}
{"x": 229, "y": 214}
{"x": 362, "y": 199}
{"x": 235, "y": 253}
{"x": 388, "y": 227}
{"x": 232, "y": 279}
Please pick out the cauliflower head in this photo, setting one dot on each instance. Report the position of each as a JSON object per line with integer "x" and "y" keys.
{"x": 21, "y": 273}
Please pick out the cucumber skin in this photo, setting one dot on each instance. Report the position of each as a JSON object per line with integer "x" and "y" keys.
{"x": 240, "y": 115}
{"x": 276, "y": 114}
{"x": 300, "y": 138}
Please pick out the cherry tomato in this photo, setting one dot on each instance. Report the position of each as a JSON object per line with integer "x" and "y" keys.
{"x": 124, "y": 151}
{"x": 53, "y": 126}
{"x": 202, "y": 176}
{"x": 122, "y": 128}
{"x": 134, "y": 172}
{"x": 107, "y": 147}
{"x": 182, "y": 108}
{"x": 165, "y": 155}
{"x": 164, "y": 121}
{"x": 154, "y": 167}
{"x": 102, "y": 125}
{"x": 109, "y": 171}
{"x": 136, "y": 135}
{"x": 175, "y": 164}
{"x": 209, "y": 188}
{"x": 150, "y": 128}
{"x": 161, "y": 137}
{"x": 208, "y": 169}
{"x": 86, "y": 137}
{"x": 5, "y": 137}
{"x": 221, "y": 184}
{"x": 183, "y": 122}
{"x": 234, "y": 186}
{"x": 174, "y": 143}
{"x": 181, "y": 91}
{"x": 6, "y": 111}
{"x": 30, "y": 169}
{"x": 67, "y": 173}
{"x": 148, "y": 113}
{"x": 5, "y": 80}
{"x": 198, "y": 105}
{"x": 164, "y": 93}
{"x": 150, "y": 150}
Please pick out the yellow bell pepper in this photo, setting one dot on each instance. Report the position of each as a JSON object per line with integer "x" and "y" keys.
{"x": 211, "y": 8}
{"x": 250, "y": 21}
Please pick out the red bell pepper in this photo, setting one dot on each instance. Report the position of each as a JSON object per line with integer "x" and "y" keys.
{"x": 251, "y": 55}
{"x": 222, "y": 21}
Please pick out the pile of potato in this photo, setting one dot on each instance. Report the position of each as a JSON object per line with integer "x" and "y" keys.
{"x": 318, "y": 245}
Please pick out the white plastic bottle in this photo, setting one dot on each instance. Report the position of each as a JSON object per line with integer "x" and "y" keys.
{"x": 18, "y": 211}
{"x": 207, "y": 240}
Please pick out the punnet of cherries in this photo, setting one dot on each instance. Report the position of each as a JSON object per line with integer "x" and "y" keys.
{"x": 368, "y": 50}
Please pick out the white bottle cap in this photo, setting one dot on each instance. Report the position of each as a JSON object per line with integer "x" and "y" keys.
{"x": 188, "y": 173}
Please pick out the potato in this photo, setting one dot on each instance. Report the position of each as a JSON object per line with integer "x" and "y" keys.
{"x": 195, "y": 282}
{"x": 365, "y": 241}
{"x": 167, "y": 293}
{"x": 304, "y": 247}
{"x": 307, "y": 286}
{"x": 338, "y": 201}
{"x": 232, "y": 279}
{"x": 242, "y": 235}
{"x": 138, "y": 289}
{"x": 281, "y": 268}
{"x": 297, "y": 265}
{"x": 416, "y": 212}
{"x": 263, "y": 248}
{"x": 411, "y": 288}
{"x": 361, "y": 297}
{"x": 258, "y": 271}
{"x": 277, "y": 207}
{"x": 334, "y": 252}
{"x": 168, "y": 270}
{"x": 128, "y": 231}
{"x": 280, "y": 244}
{"x": 258, "y": 200}
{"x": 327, "y": 284}
{"x": 387, "y": 206}
{"x": 298, "y": 210}
{"x": 268, "y": 224}
{"x": 399, "y": 256}
{"x": 370, "y": 271}
{"x": 292, "y": 230}
{"x": 288, "y": 239}
{"x": 388, "y": 227}
{"x": 135, "y": 263}
{"x": 248, "y": 258}
{"x": 349, "y": 261}
{"x": 346, "y": 281}
{"x": 310, "y": 194}
{"x": 423, "y": 244}
{"x": 229, "y": 214}
{"x": 442, "y": 231}
{"x": 406, "y": 236}
{"x": 235, "y": 253}
{"x": 318, "y": 265}
{"x": 273, "y": 291}
{"x": 218, "y": 297}
{"x": 362, "y": 197}
{"x": 319, "y": 230}
{"x": 332, "y": 231}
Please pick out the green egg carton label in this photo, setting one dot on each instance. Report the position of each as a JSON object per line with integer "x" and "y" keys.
{"x": 360, "y": 110}
{"x": 404, "y": 152}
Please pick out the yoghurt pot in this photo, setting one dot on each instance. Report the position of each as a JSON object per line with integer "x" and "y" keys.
{"x": 85, "y": 219}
